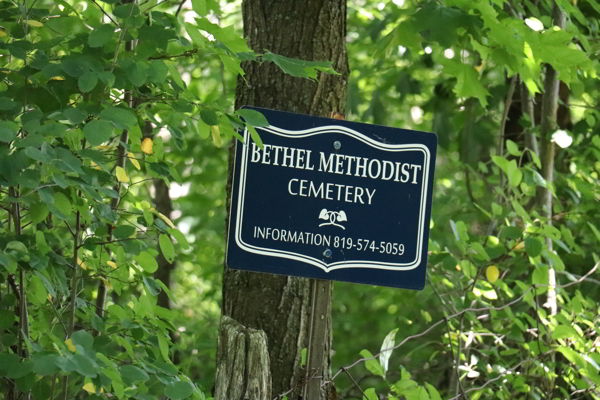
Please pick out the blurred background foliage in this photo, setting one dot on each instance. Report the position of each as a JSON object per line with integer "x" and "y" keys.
{"x": 405, "y": 86}
{"x": 402, "y": 86}
{"x": 400, "y": 77}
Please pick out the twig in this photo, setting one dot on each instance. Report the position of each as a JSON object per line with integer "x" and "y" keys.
{"x": 353, "y": 381}
{"x": 457, "y": 314}
{"x": 167, "y": 56}
{"x": 73, "y": 296}
{"x": 104, "y": 12}
{"x": 457, "y": 361}
{"x": 179, "y": 8}
{"x": 502, "y": 375}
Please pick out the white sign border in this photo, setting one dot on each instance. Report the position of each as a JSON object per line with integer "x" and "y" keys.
{"x": 315, "y": 261}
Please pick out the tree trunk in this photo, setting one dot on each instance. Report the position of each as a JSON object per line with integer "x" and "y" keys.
{"x": 309, "y": 30}
{"x": 242, "y": 363}
{"x": 164, "y": 205}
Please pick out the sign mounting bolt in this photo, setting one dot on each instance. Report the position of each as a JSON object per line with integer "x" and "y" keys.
{"x": 327, "y": 253}
{"x": 337, "y": 145}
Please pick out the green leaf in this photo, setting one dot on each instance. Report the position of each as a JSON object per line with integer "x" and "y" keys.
{"x": 467, "y": 80}
{"x": 36, "y": 290}
{"x": 372, "y": 365}
{"x": 18, "y": 370}
{"x": 166, "y": 246}
{"x": 75, "y": 67}
{"x": 180, "y": 237}
{"x": 209, "y": 117}
{"x": 6, "y": 134}
{"x": 520, "y": 211}
{"x": 538, "y": 179}
{"x": 120, "y": 118}
{"x": 253, "y": 117}
{"x": 97, "y": 322}
{"x": 7, "y": 318}
{"x": 97, "y": 132}
{"x": 136, "y": 74}
{"x": 67, "y": 162}
{"x": 123, "y": 231}
{"x": 147, "y": 262}
{"x": 512, "y": 148}
{"x": 255, "y": 137}
{"x": 7, "y": 104}
{"x": 163, "y": 345}
{"x": 370, "y": 394}
{"x": 480, "y": 251}
{"x": 107, "y": 77}
{"x": 151, "y": 285}
{"x": 300, "y": 68}
{"x": 388, "y": 342}
{"x": 564, "y": 332}
{"x": 573, "y": 356}
{"x": 83, "y": 339}
{"x": 514, "y": 173}
{"x": 440, "y": 23}
{"x": 179, "y": 390}
{"x": 126, "y": 10}
{"x": 595, "y": 230}
{"x": 88, "y": 81}
{"x": 101, "y": 35}
{"x": 554, "y": 260}
{"x": 433, "y": 393}
{"x": 199, "y": 6}
{"x": 38, "y": 212}
{"x": 45, "y": 365}
{"x": 232, "y": 64}
{"x": 195, "y": 35}
{"x": 85, "y": 366}
{"x": 62, "y": 203}
{"x": 540, "y": 277}
{"x": 133, "y": 373}
{"x": 175, "y": 74}
{"x": 535, "y": 158}
{"x": 228, "y": 35}
{"x": 533, "y": 247}
{"x": 38, "y": 155}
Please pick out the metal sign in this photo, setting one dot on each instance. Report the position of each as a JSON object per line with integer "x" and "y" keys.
{"x": 332, "y": 199}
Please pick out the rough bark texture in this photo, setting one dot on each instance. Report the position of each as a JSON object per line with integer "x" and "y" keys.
{"x": 242, "y": 363}
{"x": 309, "y": 30}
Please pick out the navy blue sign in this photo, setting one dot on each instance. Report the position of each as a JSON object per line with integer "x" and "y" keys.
{"x": 332, "y": 199}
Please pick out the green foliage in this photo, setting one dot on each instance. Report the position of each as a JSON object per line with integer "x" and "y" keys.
{"x": 89, "y": 92}
{"x": 482, "y": 325}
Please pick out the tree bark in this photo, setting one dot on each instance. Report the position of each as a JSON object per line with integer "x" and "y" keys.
{"x": 242, "y": 363}
{"x": 311, "y": 30}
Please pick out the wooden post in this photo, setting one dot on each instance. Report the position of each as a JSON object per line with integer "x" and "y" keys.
{"x": 243, "y": 370}
{"x": 321, "y": 295}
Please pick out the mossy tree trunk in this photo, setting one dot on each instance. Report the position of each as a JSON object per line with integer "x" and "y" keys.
{"x": 312, "y": 30}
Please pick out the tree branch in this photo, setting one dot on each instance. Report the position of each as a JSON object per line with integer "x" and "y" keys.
{"x": 547, "y": 151}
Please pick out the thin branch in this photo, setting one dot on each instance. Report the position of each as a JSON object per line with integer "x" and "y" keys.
{"x": 179, "y": 8}
{"x": 502, "y": 375}
{"x": 167, "y": 56}
{"x": 104, "y": 12}
{"x": 353, "y": 381}
{"x": 71, "y": 327}
{"x": 458, "y": 314}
